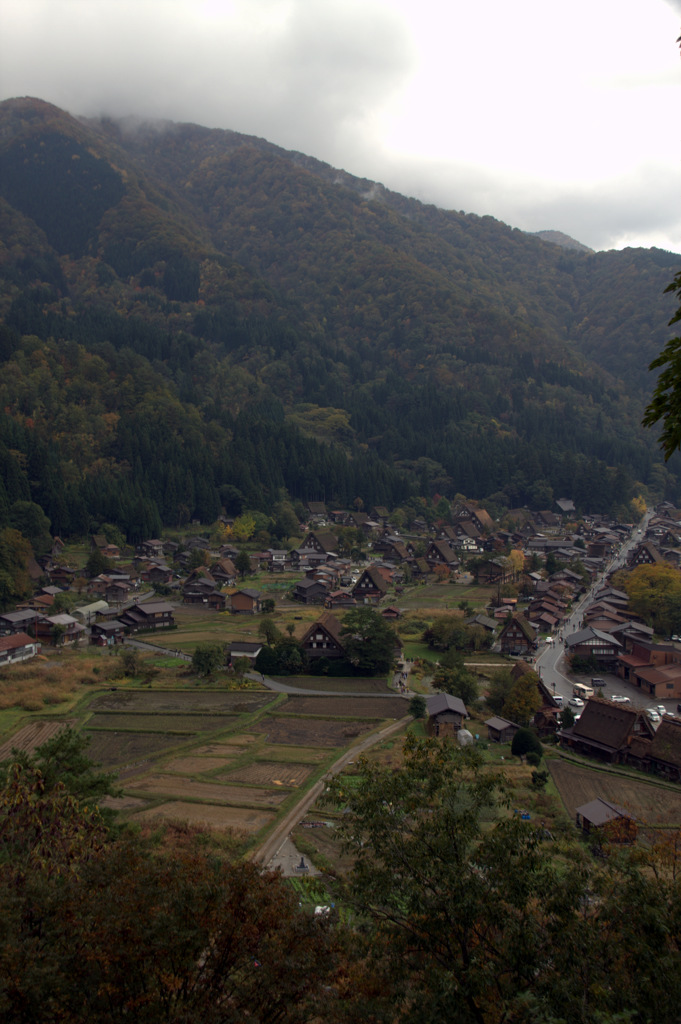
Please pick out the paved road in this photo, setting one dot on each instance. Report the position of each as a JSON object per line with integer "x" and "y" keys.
{"x": 551, "y": 663}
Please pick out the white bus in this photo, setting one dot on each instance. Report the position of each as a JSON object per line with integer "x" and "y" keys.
{"x": 580, "y": 690}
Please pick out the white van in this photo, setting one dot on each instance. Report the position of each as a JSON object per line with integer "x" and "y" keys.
{"x": 558, "y": 697}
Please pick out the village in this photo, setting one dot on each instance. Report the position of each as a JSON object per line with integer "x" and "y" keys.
{"x": 541, "y": 600}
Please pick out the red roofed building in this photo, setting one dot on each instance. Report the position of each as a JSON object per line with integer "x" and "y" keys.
{"x": 18, "y": 647}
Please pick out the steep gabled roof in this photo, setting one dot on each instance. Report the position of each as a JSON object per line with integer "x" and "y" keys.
{"x": 526, "y": 629}
{"x": 330, "y": 624}
{"x": 666, "y": 745}
{"x": 605, "y": 723}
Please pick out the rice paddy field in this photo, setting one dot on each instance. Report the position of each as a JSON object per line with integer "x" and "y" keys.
{"x": 228, "y": 759}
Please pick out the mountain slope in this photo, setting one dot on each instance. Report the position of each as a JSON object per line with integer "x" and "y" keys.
{"x": 216, "y": 321}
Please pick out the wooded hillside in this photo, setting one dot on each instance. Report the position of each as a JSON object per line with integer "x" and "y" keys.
{"x": 193, "y": 318}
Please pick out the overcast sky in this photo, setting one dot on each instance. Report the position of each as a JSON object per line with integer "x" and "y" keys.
{"x": 541, "y": 114}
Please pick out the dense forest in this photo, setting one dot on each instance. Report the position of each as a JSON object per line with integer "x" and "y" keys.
{"x": 193, "y": 319}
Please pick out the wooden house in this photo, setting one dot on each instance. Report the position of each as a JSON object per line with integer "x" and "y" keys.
{"x": 244, "y": 649}
{"x": 245, "y": 602}
{"x": 339, "y": 599}
{"x": 224, "y": 572}
{"x": 517, "y": 636}
{"x": 323, "y": 638}
{"x": 322, "y": 541}
{"x": 644, "y": 554}
{"x": 500, "y": 730}
{"x": 662, "y": 754}
{"x": 371, "y": 586}
{"x": 21, "y": 621}
{"x": 605, "y": 730}
{"x": 446, "y": 715}
{"x": 440, "y": 553}
{"x": 310, "y": 591}
{"x": 106, "y": 634}
{"x": 17, "y": 647}
{"x": 494, "y": 572}
{"x": 148, "y": 615}
{"x": 606, "y": 820}
{"x": 59, "y": 630}
{"x": 592, "y": 643}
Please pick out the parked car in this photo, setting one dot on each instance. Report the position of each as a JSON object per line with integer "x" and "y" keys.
{"x": 661, "y": 709}
{"x": 618, "y": 698}
{"x": 558, "y": 697}
{"x": 576, "y": 702}
{"x": 653, "y": 715}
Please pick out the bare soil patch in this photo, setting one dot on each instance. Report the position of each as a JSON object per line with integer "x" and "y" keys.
{"x": 196, "y": 765}
{"x": 270, "y": 773}
{"x": 310, "y": 732}
{"x": 112, "y": 749}
{"x": 186, "y": 724}
{"x": 348, "y": 707}
{"x": 241, "y": 819}
{"x": 337, "y": 684}
{"x": 212, "y": 792}
{"x": 182, "y": 701}
{"x": 308, "y": 755}
{"x": 649, "y": 803}
{"x": 32, "y": 736}
{"x": 122, "y": 803}
{"x": 226, "y": 750}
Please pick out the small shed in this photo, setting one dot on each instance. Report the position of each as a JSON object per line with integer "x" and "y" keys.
{"x": 446, "y": 714}
{"x": 602, "y": 816}
{"x": 244, "y": 649}
{"x": 500, "y": 730}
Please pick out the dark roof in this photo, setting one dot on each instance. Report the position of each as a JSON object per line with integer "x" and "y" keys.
{"x": 25, "y": 615}
{"x": 500, "y": 724}
{"x": 527, "y": 630}
{"x": 445, "y": 702}
{"x": 153, "y": 607}
{"x": 666, "y": 745}
{"x": 330, "y": 624}
{"x": 600, "y": 812}
{"x": 376, "y": 577}
{"x": 581, "y": 637}
{"x": 244, "y": 647}
{"x": 605, "y": 723}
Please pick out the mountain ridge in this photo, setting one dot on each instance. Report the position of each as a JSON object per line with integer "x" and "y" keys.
{"x": 257, "y": 290}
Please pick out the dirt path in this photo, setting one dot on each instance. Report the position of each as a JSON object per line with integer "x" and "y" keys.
{"x": 265, "y": 853}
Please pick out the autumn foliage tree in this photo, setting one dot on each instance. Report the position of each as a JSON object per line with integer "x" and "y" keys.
{"x": 655, "y": 594}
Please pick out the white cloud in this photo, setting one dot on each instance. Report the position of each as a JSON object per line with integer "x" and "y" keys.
{"x": 526, "y": 111}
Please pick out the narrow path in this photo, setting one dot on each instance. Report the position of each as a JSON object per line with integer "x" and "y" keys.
{"x": 268, "y": 850}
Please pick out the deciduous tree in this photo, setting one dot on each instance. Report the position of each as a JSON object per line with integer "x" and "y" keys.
{"x": 208, "y": 659}
{"x": 369, "y": 640}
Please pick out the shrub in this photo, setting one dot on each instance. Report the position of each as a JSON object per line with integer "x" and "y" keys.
{"x": 524, "y": 742}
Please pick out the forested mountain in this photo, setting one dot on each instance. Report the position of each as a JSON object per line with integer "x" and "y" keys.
{"x": 193, "y": 318}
